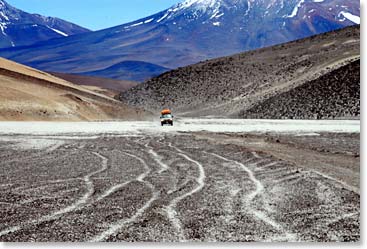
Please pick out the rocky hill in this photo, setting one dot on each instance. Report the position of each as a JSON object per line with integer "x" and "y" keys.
{"x": 234, "y": 86}
{"x": 334, "y": 95}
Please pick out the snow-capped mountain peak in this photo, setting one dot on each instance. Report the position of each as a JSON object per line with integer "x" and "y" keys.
{"x": 209, "y": 11}
{"x": 195, "y": 8}
{"x": 199, "y": 3}
{"x": 19, "y": 28}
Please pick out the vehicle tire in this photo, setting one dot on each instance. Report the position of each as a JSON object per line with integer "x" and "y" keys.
{"x": 161, "y": 124}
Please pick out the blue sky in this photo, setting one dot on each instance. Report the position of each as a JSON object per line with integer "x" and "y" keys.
{"x": 94, "y": 14}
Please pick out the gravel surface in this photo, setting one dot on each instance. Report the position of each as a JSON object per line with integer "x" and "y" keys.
{"x": 165, "y": 187}
{"x": 334, "y": 95}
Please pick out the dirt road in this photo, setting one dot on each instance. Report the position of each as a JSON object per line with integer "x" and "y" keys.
{"x": 175, "y": 187}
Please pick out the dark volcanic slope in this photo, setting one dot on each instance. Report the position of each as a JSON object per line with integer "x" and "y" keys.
{"x": 228, "y": 86}
{"x": 337, "y": 94}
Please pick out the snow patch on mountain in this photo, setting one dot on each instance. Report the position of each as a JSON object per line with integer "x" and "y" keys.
{"x": 216, "y": 14}
{"x": 197, "y": 7}
{"x": 295, "y": 10}
{"x": 149, "y": 21}
{"x": 58, "y": 31}
{"x": 4, "y": 16}
{"x": 3, "y": 27}
{"x": 137, "y": 24}
{"x": 350, "y": 17}
{"x": 163, "y": 17}
{"x": 199, "y": 3}
{"x": 248, "y": 8}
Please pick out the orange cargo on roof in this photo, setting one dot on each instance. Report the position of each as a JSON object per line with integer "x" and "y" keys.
{"x": 166, "y": 111}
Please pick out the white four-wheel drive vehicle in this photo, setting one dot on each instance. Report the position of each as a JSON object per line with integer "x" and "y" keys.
{"x": 166, "y": 117}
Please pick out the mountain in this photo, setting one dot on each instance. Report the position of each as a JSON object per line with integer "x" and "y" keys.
{"x": 130, "y": 70}
{"x": 316, "y": 77}
{"x": 189, "y": 32}
{"x": 27, "y": 94}
{"x": 19, "y": 28}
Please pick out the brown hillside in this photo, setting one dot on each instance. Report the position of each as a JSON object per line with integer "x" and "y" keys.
{"x": 32, "y": 95}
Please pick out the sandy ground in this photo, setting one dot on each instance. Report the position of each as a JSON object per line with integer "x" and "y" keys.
{"x": 177, "y": 186}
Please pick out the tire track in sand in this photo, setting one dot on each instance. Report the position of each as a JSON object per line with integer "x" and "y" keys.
{"x": 286, "y": 236}
{"x": 157, "y": 158}
{"x": 170, "y": 209}
{"x": 118, "y": 187}
{"x": 79, "y": 203}
{"x": 116, "y": 226}
{"x": 258, "y": 184}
